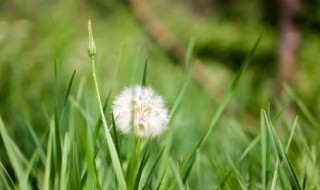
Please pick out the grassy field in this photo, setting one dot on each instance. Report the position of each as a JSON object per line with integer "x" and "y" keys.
{"x": 56, "y": 124}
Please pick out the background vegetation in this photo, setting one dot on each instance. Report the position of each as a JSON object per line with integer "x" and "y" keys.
{"x": 32, "y": 98}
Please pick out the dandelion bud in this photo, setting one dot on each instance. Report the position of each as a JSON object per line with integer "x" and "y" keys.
{"x": 141, "y": 108}
{"x": 91, "y": 45}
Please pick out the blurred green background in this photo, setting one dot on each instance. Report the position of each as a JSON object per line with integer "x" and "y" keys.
{"x": 31, "y": 32}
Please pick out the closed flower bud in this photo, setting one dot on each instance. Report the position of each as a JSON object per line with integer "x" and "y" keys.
{"x": 91, "y": 45}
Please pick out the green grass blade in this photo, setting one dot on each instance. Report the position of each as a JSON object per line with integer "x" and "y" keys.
{"x": 275, "y": 176}
{"x": 37, "y": 142}
{"x": 55, "y": 67}
{"x": 47, "y": 172}
{"x": 17, "y": 165}
{"x": 115, "y": 136}
{"x": 280, "y": 152}
{"x": 64, "y": 165}
{"x": 5, "y": 176}
{"x": 250, "y": 146}
{"x": 304, "y": 110}
{"x": 69, "y": 89}
{"x": 189, "y": 52}
{"x": 153, "y": 167}
{"x": 265, "y": 152}
{"x": 144, "y": 78}
{"x": 177, "y": 175}
{"x": 181, "y": 93}
{"x": 220, "y": 108}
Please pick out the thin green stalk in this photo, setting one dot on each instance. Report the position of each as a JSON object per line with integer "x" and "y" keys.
{"x": 111, "y": 146}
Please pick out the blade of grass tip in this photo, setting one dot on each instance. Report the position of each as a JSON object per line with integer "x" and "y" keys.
{"x": 224, "y": 102}
{"x": 250, "y": 146}
{"x": 144, "y": 78}
{"x": 55, "y": 67}
{"x": 305, "y": 111}
{"x": 275, "y": 176}
{"x": 144, "y": 160}
{"x": 6, "y": 176}
{"x": 153, "y": 167}
{"x": 47, "y": 172}
{"x": 177, "y": 175}
{"x": 265, "y": 156}
{"x": 34, "y": 157}
{"x": 65, "y": 102}
{"x": 279, "y": 150}
{"x": 82, "y": 110}
{"x": 69, "y": 89}
{"x": 189, "y": 52}
{"x": 37, "y": 142}
{"x": 13, "y": 157}
{"x": 238, "y": 174}
{"x": 295, "y": 123}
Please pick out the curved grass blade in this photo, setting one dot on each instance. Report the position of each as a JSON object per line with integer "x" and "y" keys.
{"x": 144, "y": 78}
{"x": 153, "y": 167}
{"x": 115, "y": 136}
{"x": 281, "y": 154}
{"x": 4, "y": 177}
{"x": 177, "y": 175}
{"x": 189, "y": 52}
{"x": 250, "y": 146}
{"x": 69, "y": 88}
{"x": 14, "y": 156}
{"x": 220, "y": 110}
{"x": 304, "y": 110}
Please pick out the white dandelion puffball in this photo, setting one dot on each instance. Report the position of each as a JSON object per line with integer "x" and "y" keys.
{"x": 142, "y": 108}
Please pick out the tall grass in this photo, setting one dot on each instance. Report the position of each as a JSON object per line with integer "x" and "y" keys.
{"x": 81, "y": 149}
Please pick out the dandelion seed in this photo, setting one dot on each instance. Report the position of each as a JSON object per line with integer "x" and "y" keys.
{"x": 141, "y": 108}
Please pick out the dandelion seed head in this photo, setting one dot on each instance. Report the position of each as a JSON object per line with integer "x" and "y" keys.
{"x": 142, "y": 108}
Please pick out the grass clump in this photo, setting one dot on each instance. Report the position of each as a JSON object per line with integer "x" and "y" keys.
{"x": 80, "y": 147}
